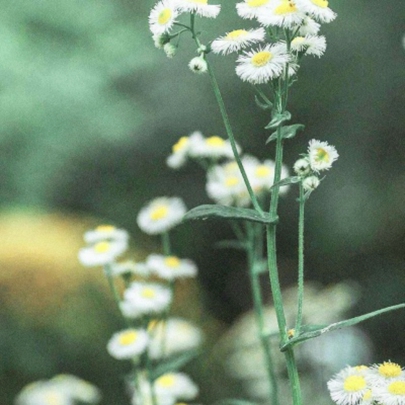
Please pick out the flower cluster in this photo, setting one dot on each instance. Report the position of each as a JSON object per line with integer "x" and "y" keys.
{"x": 362, "y": 385}
{"x": 320, "y": 157}
{"x": 63, "y": 389}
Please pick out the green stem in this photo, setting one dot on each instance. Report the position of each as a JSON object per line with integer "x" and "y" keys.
{"x": 166, "y": 244}
{"x": 255, "y": 238}
{"x": 300, "y": 259}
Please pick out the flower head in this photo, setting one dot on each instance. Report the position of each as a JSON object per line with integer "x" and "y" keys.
{"x": 386, "y": 371}
{"x": 310, "y": 183}
{"x": 302, "y": 167}
{"x": 308, "y": 26}
{"x": 162, "y": 17}
{"x": 317, "y": 9}
{"x": 105, "y": 232}
{"x": 198, "y": 65}
{"x": 236, "y": 40}
{"x": 130, "y": 267}
{"x": 200, "y": 7}
{"x": 176, "y": 385}
{"x": 128, "y": 344}
{"x": 250, "y": 9}
{"x": 391, "y": 392}
{"x": 179, "y": 152}
{"x": 309, "y": 45}
{"x": 321, "y": 155}
{"x": 161, "y": 215}
{"x": 282, "y": 13}
{"x": 102, "y": 253}
{"x": 78, "y": 389}
{"x": 43, "y": 393}
{"x": 212, "y": 147}
{"x": 171, "y": 267}
{"x": 262, "y": 65}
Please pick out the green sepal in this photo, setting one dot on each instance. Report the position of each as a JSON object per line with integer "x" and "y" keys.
{"x": 287, "y": 132}
{"x": 313, "y": 331}
{"x": 263, "y": 106}
{"x": 231, "y": 244}
{"x": 221, "y": 211}
{"x": 174, "y": 363}
{"x": 287, "y": 181}
{"x": 278, "y": 119}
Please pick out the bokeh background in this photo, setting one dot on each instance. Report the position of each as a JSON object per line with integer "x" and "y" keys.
{"x": 89, "y": 110}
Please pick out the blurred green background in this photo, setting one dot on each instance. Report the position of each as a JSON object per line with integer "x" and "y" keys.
{"x": 89, "y": 111}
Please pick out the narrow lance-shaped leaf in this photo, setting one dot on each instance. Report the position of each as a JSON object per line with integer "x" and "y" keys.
{"x": 278, "y": 119}
{"x": 221, "y": 211}
{"x": 287, "y": 132}
{"x": 315, "y": 331}
{"x": 262, "y": 105}
{"x": 287, "y": 181}
{"x": 232, "y": 401}
{"x": 174, "y": 363}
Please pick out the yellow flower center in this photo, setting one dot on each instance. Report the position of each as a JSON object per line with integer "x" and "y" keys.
{"x": 388, "y": 369}
{"x": 262, "y": 171}
{"x": 236, "y": 34}
{"x": 164, "y": 16}
{"x": 172, "y": 261}
{"x": 148, "y": 292}
{"x": 285, "y": 7}
{"x": 354, "y": 383}
{"x": 397, "y": 388}
{"x": 261, "y": 58}
{"x": 159, "y": 212}
{"x": 257, "y": 3}
{"x": 297, "y": 40}
{"x": 367, "y": 395}
{"x": 53, "y": 398}
{"x": 127, "y": 338}
{"x": 215, "y": 141}
{"x": 198, "y": 1}
{"x": 105, "y": 228}
{"x": 320, "y": 3}
{"x": 231, "y": 181}
{"x": 322, "y": 155}
{"x": 180, "y": 144}
{"x": 361, "y": 368}
{"x": 166, "y": 380}
{"x": 102, "y": 247}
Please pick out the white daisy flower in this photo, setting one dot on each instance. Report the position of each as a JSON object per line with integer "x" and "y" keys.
{"x": 262, "y": 65}
{"x": 102, "y": 253}
{"x": 162, "y": 17}
{"x": 310, "y": 45}
{"x": 127, "y": 344}
{"x": 145, "y": 298}
{"x": 250, "y": 9}
{"x": 386, "y": 371}
{"x": 390, "y": 392}
{"x": 105, "y": 232}
{"x": 42, "y": 393}
{"x": 177, "y": 385}
{"x": 321, "y": 155}
{"x": 349, "y": 386}
{"x": 282, "y": 13}
{"x": 130, "y": 267}
{"x": 161, "y": 215}
{"x": 179, "y": 152}
{"x": 213, "y": 147}
{"x": 310, "y": 183}
{"x": 143, "y": 394}
{"x": 170, "y": 50}
{"x": 309, "y": 27}
{"x": 171, "y": 267}
{"x": 317, "y": 9}
{"x": 200, "y": 7}
{"x": 302, "y": 167}
{"x": 173, "y": 336}
{"x": 76, "y": 388}
{"x": 198, "y": 65}
{"x": 236, "y": 40}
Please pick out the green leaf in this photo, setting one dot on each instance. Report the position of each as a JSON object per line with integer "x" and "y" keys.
{"x": 231, "y": 244}
{"x": 313, "y": 331}
{"x": 263, "y": 106}
{"x": 278, "y": 119}
{"x": 174, "y": 363}
{"x": 286, "y": 181}
{"x": 221, "y": 211}
{"x": 287, "y": 132}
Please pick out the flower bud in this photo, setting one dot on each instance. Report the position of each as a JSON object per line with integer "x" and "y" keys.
{"x": 310, "y": 183}
{"x": 170, "y": 49}
{"x": 302, "y": 167}
{"x": 198, "y": 65}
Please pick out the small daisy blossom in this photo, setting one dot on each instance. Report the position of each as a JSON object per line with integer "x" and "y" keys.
{"x": 76, "y": 388}
{"x": 102, "y": 253}
{"x": 236, "y": 40}
{"x": 282, "y": 13}
{"x": 43, "y": 393}
{"x": 302, "y": 167}
{"x": 161, "y": 215}
{"x": 310, "y": 45}
{"x": 250, "y": 9}
{"x": 162, "y": 17}
{"x": 143, "y": 394}
{"x": 130, "y": 267}
{"x": 213, "y": 147}
{"x": 105, "y": 232}
{"x": 262, "y": 65}
{"x": 321, "y": 155}
{"x": 198, "y": 65}
{"x": 200, "y": 7}
{"x": 171, "y": 267}
{"x": 178, "y": 336}
{"x": 349, "y": 386}
{"x": 145, "y": 298}
{"x": 386, "y": 371}
{"x": 180, "y": 152}
{"x": 317, "y": 9}
{"x": 308, "y": 26}
{"x": 310, "y": 183}
{"x": 390, "y": 392}
{"x": 127, "y": 344}
{"x": 177, "y": 385}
